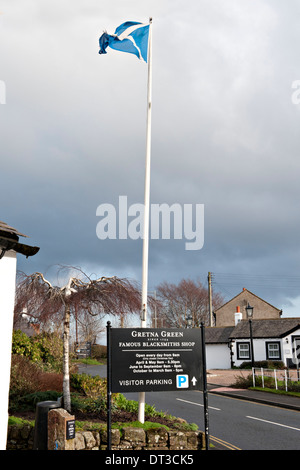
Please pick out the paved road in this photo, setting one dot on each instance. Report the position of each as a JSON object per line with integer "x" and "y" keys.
{"x": 92, "y": 370}
{"x": 236, "y": 424}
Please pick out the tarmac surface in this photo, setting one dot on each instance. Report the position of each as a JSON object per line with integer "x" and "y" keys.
{"x": 220, "y": 382}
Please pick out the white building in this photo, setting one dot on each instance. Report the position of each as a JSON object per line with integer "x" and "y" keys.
{"x": 273, "y": 340}
{"x": 9, "y": 247}
{"x": 217, "y": 347}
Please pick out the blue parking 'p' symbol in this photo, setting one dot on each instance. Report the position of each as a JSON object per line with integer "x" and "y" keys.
{"x": 182, "y": 381}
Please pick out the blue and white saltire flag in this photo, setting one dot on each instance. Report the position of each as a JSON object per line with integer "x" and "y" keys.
{"x": 129, "y": 37}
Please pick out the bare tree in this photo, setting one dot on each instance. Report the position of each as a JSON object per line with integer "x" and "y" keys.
{"x": 187, "y": 299}
{"x": 88, "y": 327}
{"x": 47, "y": 302}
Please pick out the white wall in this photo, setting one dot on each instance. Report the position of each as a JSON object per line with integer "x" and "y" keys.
{"x": 288, "y": 346}
{"x": 217, "y": 356}
{"x": 259, "y": 346}
{"x": 8, "y": 266}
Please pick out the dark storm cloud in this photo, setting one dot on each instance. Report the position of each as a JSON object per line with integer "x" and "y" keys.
{"x": 225, "y": 134}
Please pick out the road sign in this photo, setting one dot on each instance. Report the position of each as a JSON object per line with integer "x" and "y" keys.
{"x": 159, "y": 359}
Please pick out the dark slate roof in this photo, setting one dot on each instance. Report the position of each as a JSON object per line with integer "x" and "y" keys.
{"x": 276, "y": 328}
{"x": 10, "y": 232}
{"x": 214, "y": 335}
{"x": 9, "y": 240}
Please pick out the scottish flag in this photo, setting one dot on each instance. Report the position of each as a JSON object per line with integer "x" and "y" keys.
{"x": 129, "y": 37}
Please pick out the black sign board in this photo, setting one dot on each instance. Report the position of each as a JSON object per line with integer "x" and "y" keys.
{"x": 159, "y": 359}
{"x": 70, "y": 429}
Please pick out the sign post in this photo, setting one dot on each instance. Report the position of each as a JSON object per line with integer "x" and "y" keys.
{"x": 108, "y": 388}
{"x": 149, "y": 360}
{"x": 156, "y": 359}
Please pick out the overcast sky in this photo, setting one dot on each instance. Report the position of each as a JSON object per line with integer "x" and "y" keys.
{"x": 225, "y": 133}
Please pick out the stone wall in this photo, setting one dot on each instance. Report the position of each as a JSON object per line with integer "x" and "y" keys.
{"x": 128, "y": 438}
{"x": 20, "y": 437}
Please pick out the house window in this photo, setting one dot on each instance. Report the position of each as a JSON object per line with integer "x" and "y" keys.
{"x": 273, "y": 351}
{"x": 243, "y": 351}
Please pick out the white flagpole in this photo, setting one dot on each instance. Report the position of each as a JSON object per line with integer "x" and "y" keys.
{"x": 141, "y": 413}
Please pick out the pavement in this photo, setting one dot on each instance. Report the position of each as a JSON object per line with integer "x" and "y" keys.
{"x": 220, "y": 382}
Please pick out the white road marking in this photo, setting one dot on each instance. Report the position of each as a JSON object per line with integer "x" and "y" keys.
{"x": 271, "y": 422}
{"x": 197, "y": 404}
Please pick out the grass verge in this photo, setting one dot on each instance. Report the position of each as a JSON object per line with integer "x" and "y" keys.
{"x": 276, "y": 392}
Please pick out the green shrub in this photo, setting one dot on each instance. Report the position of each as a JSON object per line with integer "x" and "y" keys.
{"x": 88, "y": 385}
{"x": 28, "y": 402}
{"x": 99, "y": 351}
{"x": 87, "y": 404}
{"x": 91, "y": 392}
{"x": 51, "y": 351}
{"x": 45, "y": 349}
{"x": 269, "y": 383}
{"x": 24, "y": 376}
{"x": 91, "y": 396}
{"x": 22, "y": 345}
{"x": 292, "y": 386}
{"x": 263, "y": 364}
{"x": 132, "y": 406}
{"x": 126, "y": 405}
{"x": 246, "y": 382}
{"x": 243, "y": 382}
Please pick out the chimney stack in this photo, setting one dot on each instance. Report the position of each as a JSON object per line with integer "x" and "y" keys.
{"x": 237, "y": 316}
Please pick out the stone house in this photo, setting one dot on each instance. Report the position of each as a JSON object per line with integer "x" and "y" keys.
{"x": 274, "y": 338}
{"x": 262, "y": 310}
